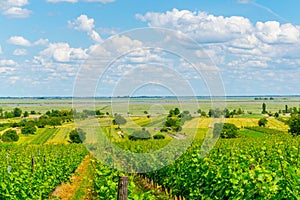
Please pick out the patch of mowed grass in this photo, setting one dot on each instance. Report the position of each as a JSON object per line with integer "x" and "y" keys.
{"x": 43, "y": 135}
{"x": 61, "y": 136}
{"x": 251, "y": 133}
{"x": 250, "y": 116}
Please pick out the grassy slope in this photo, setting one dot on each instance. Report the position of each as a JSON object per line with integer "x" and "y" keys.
{"x": 251, "y": 133}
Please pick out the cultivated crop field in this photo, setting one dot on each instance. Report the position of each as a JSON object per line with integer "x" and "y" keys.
{"x": 48, "y": 155}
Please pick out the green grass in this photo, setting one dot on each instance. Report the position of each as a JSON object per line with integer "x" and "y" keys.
{"x": 3, "y": 128}
{"x": 251, "y": 133}
{"x": 156, "y": 121}
{"x": 266, "y": 130}
{"x": 43, "y": 135}
{"x": 250, "y": 116}
{"x": 61, "y": 136}
{"x": 138, "y": 106}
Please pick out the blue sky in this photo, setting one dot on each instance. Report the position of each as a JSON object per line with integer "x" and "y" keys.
{"x": 255, "y": 45}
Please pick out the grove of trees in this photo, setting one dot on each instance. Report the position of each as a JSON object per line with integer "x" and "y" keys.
{"x": 294, "y": 124}
{"x": 77, "y": 136}
{"x": 119, "y": 120}
{"x": 140, "y": 135}
{"x": 10, "y": 136}
{"x": 225, "y": 130}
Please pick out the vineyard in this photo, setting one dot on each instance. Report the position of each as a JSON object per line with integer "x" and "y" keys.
{"x": 245, "y": 169}
{"x": 262, "y": 162}
{"x": 33, "y": 172}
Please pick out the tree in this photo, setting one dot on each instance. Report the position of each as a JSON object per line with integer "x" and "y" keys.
{"x": 203, "y": 114}
{"x": 294, "y": 124}
{"x": 264, "y": 108}
{"x": 176, "y": 111}
{"x": 77, "y": 136}
{"x": 146, "y": 112}
{"x": 199, "y": 111}
{"x": 119, "y": 120}
{"x": 42, "y": 122}
{"x": 276, "y": 115}
{"x": 17, "y": 112}
{"x": 140, "y": 135}
{"x": 262, "y": 122}
{"x": 294, "y": 110}
{"x": 26, "y": 114}
{"x": 227, "y": 113}
{"x": 158, "y": 136}
{"x": 54, "y": 121}
{"x": 216, "y": 113}
{"x": 10, "y": 136}
{"x": 171, "y": 113}
{"x": 174, "y": 123}
{"x": 185, "y": 116}
{"x": 226, "y": 130}
{"x": 98, "y": 112}
{"x": 240, "y": 111}
{"x": 28, "y": 129}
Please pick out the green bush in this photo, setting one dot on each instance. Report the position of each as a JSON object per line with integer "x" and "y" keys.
{"x": 10, "y": 136}
{"x": 28, "y": 129}
{"x": 294, "y": 124}
{"x": 140, "y": 135}
{"x": 159, "y": 137}
{"x": 226, "y": 130}
{"x": 164, "y": 129}
{"x": 77, "y": 136}
{"x": 119, "y": 120}
{"x": 262, "y": 122}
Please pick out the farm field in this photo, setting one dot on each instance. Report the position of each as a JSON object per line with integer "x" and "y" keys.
{"x": 260, "y": 162}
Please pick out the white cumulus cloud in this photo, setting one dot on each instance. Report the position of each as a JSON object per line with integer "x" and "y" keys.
{"x": 41, "y": 42}
{"x": 17, "y": 12}
{"x": 19, "y": 41}
{"x": 14, "y": 8}
{"x": 20, "y": 52}
{"x": 86, "y": 24}
{"x": 236, "y": 38}
{"x": 83, "y": 23}
{"x": 8, "y": 63}
{"x": 62, "y": 52}
{"x": 200, "y": 25}
{"x": 273, "y": 32}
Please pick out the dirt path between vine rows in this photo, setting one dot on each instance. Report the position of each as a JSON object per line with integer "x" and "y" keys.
{"x": 79, "y": 184}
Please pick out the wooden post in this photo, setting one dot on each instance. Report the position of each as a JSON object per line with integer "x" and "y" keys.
{"x": 123, "y": 188}
{"x": 32, "y": 164}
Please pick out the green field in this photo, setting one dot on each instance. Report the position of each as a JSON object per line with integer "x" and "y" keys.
{"x": 60, "y": 136}
{"x": 137, "y": 106}
{"x": 251, "y": 133}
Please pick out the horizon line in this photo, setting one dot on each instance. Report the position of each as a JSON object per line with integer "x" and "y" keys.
{"x": 150, "y": 96}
